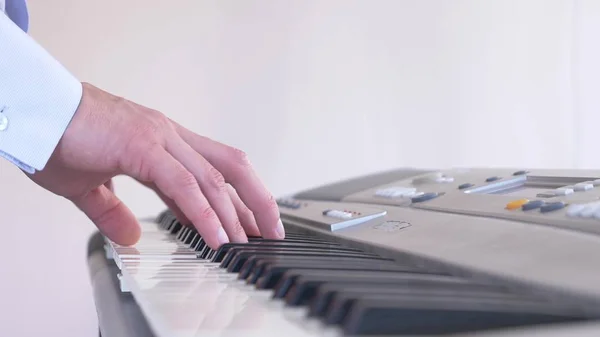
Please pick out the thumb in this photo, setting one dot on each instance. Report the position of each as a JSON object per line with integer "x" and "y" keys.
{"x": 110, "y": 215}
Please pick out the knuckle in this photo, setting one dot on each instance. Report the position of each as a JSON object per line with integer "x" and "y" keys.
{"x": 141, "y": 161}
{"x": 160, "y": 121}
{"x": 238, "y": 230}
{"x": 185, "y": 180}
{"x": 154, "y": 125}
{"x": 245, "y": 212}
{"x": 208, "y": 213}
{"x": 216, "y": 180}
{"x": 271, "y": 204}
{"x": 240, "y": 158}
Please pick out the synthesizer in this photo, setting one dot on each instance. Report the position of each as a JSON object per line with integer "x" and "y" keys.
{"x": 461, "y": 252}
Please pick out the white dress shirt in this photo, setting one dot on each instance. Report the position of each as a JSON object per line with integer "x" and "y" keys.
{"x": 38, "y": 98}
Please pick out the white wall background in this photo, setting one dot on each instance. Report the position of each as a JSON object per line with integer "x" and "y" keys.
{"x": 314, "y": 91}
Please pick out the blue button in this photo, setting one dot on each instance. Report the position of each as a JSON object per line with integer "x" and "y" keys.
{"x": 520, "y": 173}
{"x": 465, "y": 185}
{"x": 425, "y": 197}
{"x": 490, "y": 179}
{"x": 533, "y": 205}
{"x": 552, "y": 206}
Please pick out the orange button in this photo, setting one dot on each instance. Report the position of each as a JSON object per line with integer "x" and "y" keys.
{"x": 516, "y": 203}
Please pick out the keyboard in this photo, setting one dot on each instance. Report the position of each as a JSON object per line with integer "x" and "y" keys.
{"x": 466, "y": 251}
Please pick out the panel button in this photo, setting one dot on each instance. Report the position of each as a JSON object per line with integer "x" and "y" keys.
{"x": 490, "y": 179}
{"x": 596, "y": 214}
{"x": 589, "y": 210}
{"x": 425, "y": 197}
{"x": 575, "y": 209}
{"x": 552, "y": 206}
{"x": 583, "y": 186}
{"x": 465, "y": 185}
{"x": 416, "y": 194}
{"x": 3, "y": 121}
{"x": 337, "y": 214}
{"x": 563, "y": 191}
{"x": 394, "y": 192}
{"x": 288, "y": 203}
{"x": 520, "y": 173}
{"x": 516, "y": 204}
{"x": 532, "y": 205}
{"x": 436, "y": 177}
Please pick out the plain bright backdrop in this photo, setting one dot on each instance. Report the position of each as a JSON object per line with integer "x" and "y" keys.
{"x": 313, "y": 91}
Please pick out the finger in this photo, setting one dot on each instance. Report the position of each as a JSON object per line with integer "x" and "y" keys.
{"x": 110, "y": 215}
{"x": 178, "y": 184}
{"x": 244, "y": 213}
{"x": 236, "y": 169}
{"x": 170, "y": 204}
{"x": 212, "y": 184}
{"x": 109, "y": 184}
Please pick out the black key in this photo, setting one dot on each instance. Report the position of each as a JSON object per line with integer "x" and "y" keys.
{"x": 236, "y": 247}
{"x": 298, "y": 236}
{"x": 273, "y": 272}
{"x": 195, "y": 241}
{"x": 239, "y": 259}
{"x": 164, "y": 217}
{"x": 187, "y": 235}
{"x": 291, "y": 236}
{"x": 205, "y": 252}
{"x": 290, "y": 276}
{"x": 161, "y": 216}
{"x": 200, "y": 245}
{"x": 182, "y": 233}
{"x": 254, "y": 268}
{"x": 306, "y": 285}
{"x": 327, "y": 293}
{"x": 415, "y": 315}
{"x": 195, "y": 244}
{"x": 174, "y": 227}
{"x": 234, "y": 251}
{"x": 296, "y": 239}
{"x": 287, "y": 240}
{"x": 211, "y": 255}
{"x": 254, "y": 265}
{"x": 191, "y": 238}
{"x": 322, "y": 272}
{"x": 235, "y": 259}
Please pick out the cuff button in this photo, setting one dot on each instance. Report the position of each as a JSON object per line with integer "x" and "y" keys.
{"x": 3, "y": 121}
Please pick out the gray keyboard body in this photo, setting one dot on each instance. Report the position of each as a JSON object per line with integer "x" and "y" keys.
{"x": 535, "y": 230}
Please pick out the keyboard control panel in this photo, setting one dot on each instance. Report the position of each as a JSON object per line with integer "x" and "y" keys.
{"x": 562, "y": 198}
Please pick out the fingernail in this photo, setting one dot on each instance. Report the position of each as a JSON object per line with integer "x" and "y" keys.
{"x": 222, "y": 236}
{"x": 280, "y": 229}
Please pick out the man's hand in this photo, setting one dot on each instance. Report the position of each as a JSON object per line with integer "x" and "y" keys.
{"x": 206, "y": 184}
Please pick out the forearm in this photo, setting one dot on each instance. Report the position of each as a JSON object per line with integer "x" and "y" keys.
{"x": 38, "y": 98}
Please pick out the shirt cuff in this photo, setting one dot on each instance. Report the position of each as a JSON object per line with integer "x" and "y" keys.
{"x": 38, "y": 98}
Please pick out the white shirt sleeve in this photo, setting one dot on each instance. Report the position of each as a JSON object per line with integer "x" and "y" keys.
{"x": 38, "y": 98}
